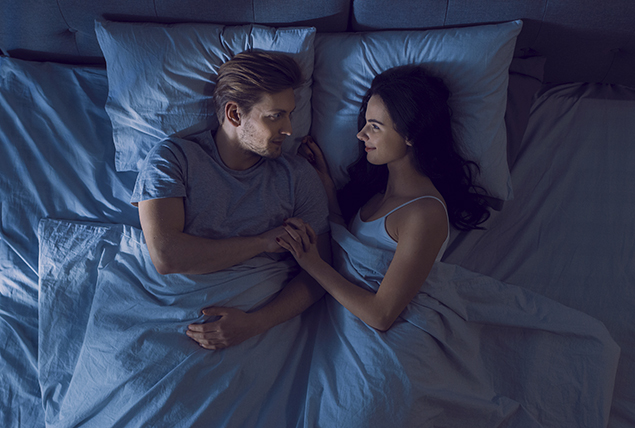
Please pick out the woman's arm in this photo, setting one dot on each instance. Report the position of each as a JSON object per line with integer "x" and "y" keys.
{"x": 312, "y": 152}
{"x": 421, "y": 235}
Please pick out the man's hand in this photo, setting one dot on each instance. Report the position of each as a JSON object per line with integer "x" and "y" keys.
{"x": 236, "y": 326}
{"x": 270, "y": 237}
{"x": 233, "y": 328}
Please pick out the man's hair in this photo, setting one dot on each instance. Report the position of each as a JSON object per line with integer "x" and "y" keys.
{"x": 246, "y": 77}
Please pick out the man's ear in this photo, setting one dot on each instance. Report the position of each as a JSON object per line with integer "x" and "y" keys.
{"x": 232, "y": 113}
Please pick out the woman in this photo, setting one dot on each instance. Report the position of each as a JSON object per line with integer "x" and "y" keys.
{"x": 407, "y": 188}
{"x": 405, "y": 340}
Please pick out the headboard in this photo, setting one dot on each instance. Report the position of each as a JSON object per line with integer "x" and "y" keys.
{"x": 583, "y": 40}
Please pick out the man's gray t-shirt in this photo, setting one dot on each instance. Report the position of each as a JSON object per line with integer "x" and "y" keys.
{"x": 222, "y": 203}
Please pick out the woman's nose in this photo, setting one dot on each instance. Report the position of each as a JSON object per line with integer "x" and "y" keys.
{"x": 361, "y": 135}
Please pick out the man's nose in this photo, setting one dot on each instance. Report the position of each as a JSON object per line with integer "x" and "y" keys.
{"x": 287, "y": 128}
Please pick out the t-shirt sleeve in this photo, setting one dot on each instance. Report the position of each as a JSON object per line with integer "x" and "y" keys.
{"x": 311, "y": 201}
{"x": 163, "y": 174}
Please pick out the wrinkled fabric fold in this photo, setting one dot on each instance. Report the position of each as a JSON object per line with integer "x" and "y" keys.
{"x": 468, "y": 347}
{"x": 113, "y": 348}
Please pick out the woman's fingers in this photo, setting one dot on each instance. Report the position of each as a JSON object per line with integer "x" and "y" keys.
{"x": 298, "y": 223}
{"x": 290, "y": 244}
{"x": 293, "y": 231}
{"x": 306, "y": 153}
{"x": 301, "y": 232}
{"x": 300, "y": 237}
{"x": 306, "y": 149}
{"x": 311, "y": 233}
{"x": 310, "y": 143}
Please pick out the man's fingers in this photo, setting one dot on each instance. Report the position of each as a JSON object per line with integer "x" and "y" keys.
{"x": 217, "y": 311}
{"x": 210, "y": 339}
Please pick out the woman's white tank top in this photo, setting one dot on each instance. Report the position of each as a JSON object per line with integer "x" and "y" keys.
{"x": 374, "y": 234}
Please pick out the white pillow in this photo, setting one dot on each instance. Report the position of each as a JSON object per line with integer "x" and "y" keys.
{"x": 473, "y": 62}
{"x": 161, "y": 78}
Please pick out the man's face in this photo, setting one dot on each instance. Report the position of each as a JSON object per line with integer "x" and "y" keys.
{"x": 265, "y": 127}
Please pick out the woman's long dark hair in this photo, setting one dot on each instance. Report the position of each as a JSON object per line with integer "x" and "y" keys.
{"x": 418, "y": 106}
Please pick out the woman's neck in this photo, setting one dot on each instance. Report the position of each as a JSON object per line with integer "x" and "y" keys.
{"x": 405, "y": 180}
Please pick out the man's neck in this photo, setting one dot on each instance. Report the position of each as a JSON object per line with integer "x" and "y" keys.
{"x": 230, "y": 151}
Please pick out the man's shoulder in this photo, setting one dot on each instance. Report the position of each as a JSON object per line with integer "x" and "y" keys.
{"x": 198, "y": 140}
{"x": 186, "y": 146}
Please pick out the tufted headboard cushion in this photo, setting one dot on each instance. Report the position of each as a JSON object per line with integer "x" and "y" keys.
{"x": 583, "y": 40}
{"x": 64, "y": 30}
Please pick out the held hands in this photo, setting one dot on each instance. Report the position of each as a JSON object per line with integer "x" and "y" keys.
{"x": 301, "y": 241}
{"x": 271, "y": 237}
{"x": 235, "y": 326}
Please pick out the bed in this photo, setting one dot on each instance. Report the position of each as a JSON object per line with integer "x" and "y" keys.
{"x": 544, "y": 100}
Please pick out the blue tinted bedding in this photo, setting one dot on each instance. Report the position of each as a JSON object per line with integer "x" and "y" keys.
{"x": 56, "y": 152}
{"x": 569, "y": 233}
{"x": 467, "y": 348}
{"x": 56, "y": 160}
{"x": 113, "y": 349}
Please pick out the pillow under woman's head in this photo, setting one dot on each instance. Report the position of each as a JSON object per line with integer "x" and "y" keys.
{"x": 473, "y": 62}
{"x": 161, "y": 78}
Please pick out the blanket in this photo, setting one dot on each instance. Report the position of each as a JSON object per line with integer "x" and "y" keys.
{"x": 467, "y": 351}
{"x": 112, "y": 345}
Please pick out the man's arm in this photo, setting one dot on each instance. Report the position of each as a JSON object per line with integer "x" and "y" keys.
{"x": 173, "y": 251}
{"x": 235, "y": 326}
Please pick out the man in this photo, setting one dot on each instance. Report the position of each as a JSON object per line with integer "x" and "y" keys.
{"x": 209, "y": 203}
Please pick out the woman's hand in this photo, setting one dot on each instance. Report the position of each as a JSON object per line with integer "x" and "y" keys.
{"x": 301, "y": 242}
{"x": 312, "y": 152}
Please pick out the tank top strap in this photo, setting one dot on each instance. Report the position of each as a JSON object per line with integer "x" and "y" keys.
{"x": 416, "y": 199}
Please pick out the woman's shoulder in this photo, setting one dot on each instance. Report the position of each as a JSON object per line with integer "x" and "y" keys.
{"x": 425, "y": 207}
{"x": 424, "y": 214}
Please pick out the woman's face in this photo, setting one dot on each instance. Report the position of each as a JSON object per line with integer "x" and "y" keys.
{"x": 383, "y": 143}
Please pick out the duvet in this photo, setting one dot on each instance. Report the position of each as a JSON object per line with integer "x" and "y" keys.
{"x": 468, "y": 349}
{"x": 113, "y": 349}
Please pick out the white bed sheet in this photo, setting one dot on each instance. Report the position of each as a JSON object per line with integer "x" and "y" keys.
{"x": 569, "y": 233}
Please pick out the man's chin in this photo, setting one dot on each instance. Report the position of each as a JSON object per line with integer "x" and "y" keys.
{"x": 273, "y": 153}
